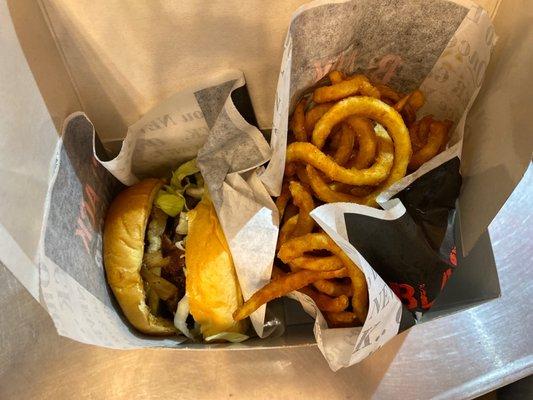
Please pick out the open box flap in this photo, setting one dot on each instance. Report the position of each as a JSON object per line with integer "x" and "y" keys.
{"x": 28, "y": 139}
{"x": 43, "y": 56}
{"x": 102, "y": 43}
{"x": 498, "y": 133}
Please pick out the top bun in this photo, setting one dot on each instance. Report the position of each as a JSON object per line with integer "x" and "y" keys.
{"x": 124, "y": 232}
{"x": 212, "y": 285}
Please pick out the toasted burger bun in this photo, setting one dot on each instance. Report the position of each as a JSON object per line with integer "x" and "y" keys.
{"x": 211, "y": 282}
{"x": 212, "y": 286}
{"x": 124, "y": 231}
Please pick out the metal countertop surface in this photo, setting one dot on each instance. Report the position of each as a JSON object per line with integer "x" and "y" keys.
{"x": 458, "y": 356}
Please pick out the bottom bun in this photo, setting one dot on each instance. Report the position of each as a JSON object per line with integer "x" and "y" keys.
{"x": 124, "y": 232}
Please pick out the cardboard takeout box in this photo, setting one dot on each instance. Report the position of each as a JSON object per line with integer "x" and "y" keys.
{"x": 116, "y": 60}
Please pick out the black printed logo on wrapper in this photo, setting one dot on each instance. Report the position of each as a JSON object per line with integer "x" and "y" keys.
{"x": 416, "y": 253}
{"x": 80, "y": 195}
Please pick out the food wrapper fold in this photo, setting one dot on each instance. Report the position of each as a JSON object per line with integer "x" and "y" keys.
{"x": 199, "y": 121}
{"x": 442, "y": 48}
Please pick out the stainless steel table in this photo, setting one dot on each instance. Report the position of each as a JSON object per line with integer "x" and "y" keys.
{"x": 459, "y": 356}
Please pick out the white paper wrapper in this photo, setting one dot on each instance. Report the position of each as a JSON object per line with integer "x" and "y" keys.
{"x": 200, "y": 121}
{"x": 28, "y": 140}
{"x": 346, "y": 346}
{"x": 441, "y": 47}
{"x": 73, "y": 288}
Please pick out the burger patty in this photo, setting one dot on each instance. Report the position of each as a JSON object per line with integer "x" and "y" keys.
{"x": 161, "y": 237}
{"x": 173, "y": 271}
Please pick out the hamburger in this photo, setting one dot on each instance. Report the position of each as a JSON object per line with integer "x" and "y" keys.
{"x": 167, "y": 260}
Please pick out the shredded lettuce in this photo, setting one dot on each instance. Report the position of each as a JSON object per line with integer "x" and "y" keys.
{"x": 183, "y": 224}
{"x": 156, "y": 227}
{"x": 179, "y": 245}
{"x": 180, "y": 318}
{"x": 233, "y": 337}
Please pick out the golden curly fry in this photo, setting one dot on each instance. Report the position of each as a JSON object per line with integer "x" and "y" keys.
{"x": 336, "y": 77}
{"x": 302, "y": 174}
{"x": 413, "y": 134}
{"x": 438, "y": 133}
{"x": 342, "y": 192}
{"x": 283, "y": 199}
{"x": 314, "y": 114}
{"x": 286, "y": 230}
{"x": 328, "y": 263}
{"x": 325, "y": 302}
{"x": 408, "y": 114}
{"x": 367, "y": 142}
{"x": 370, "y": 198}
{"x": 277, "y": 272}
{"x": 387, "y": 92}
{"x": 290, "y": 211}
{"x": 361, "y": 191}
{"x": 358, "y": 84}
{"x": 378, "y": 172}
{"x": 304, "y": 201}
{"x": 408, "y": 106}
{"x": 290, "y": 169}
{"x": 416, "y": 100}
{"x": 359, "y": 146}
{"x": 368, "y": 107}
{"x": 324, "y": 192}
{"x": 341, "y": 319}
{"x": 379, "y": 112}
{"x": 404, "y": 107}
{"x": 345, "y": 146}
{"x": 424, "y": 128}
{"x": 399, "y": 105}
{"x": 333, "y": 289}
{"x": 357, "y": 191}
{"x": 298, "y": 121}
{"x": 281, "y": 286}
{"x": 298, "y": 246}
{"x": 335, "y": 138}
